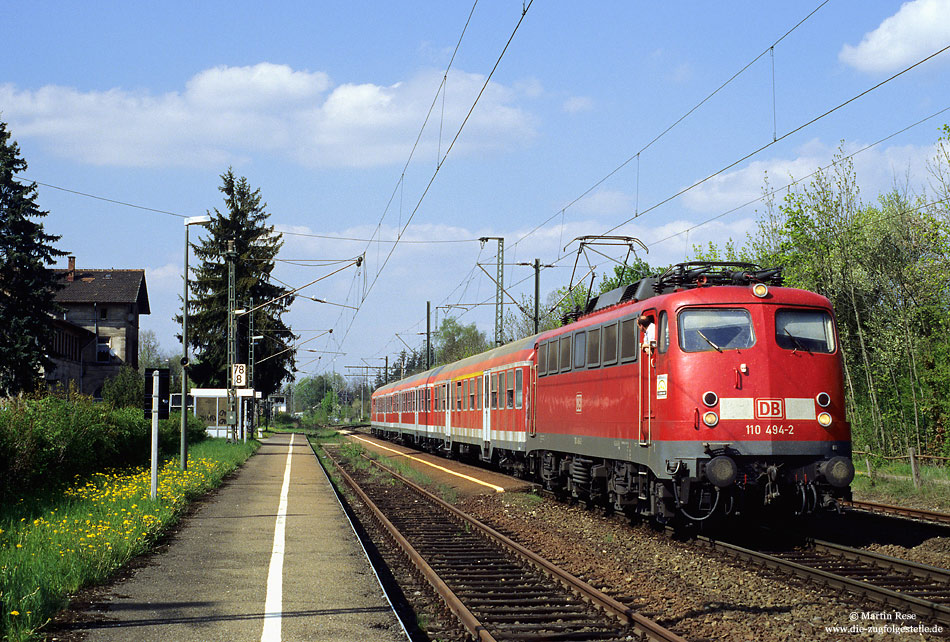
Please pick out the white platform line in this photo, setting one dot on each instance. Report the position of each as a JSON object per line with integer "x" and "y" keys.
{"x": 273, "y": 603}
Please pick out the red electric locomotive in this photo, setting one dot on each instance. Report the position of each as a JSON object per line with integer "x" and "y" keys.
{"x": 707, "y": 390}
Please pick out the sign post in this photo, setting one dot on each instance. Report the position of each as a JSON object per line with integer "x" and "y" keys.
{"x": 156, "y": 407}
{"x": 153, "y": 492}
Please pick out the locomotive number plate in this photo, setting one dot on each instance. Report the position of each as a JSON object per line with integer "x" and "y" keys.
{"x": 775, "y": 430}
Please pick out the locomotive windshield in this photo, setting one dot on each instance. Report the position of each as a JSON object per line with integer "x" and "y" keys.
{"x": 805, "y": 330}
{"x": 706, "y": 329}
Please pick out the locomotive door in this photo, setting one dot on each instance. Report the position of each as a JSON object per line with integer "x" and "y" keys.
{"x": 647, "y": 371}
{"x": 486, "y": 414}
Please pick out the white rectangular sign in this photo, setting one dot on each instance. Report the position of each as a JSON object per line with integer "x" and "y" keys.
{"x": 239, "y": 374}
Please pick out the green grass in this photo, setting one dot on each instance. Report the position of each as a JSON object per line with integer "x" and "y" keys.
{"x": 55, "y": 543}
{"x": 891, "y": 483}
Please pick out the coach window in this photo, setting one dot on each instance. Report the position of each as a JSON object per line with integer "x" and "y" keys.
{"x": 542, "y": 353}
{"x": 593, "y": 347}
{"x": 471, "y": 394}
{"x": 629, "y": 345}
{"x": 610, "y": 344}
{"x": 519, "y": 388}
{"x": 580, "y": 350}
{"x": 494, "y": 392}
{"x": 465, "y": 395}
{"x": 478, "y": 395}
{"x": 510, "y": 397}
{"x": 487, "y": 398}
{"x": 552, "y": 357}
{"x": 565, "y": 360}
{"x": 458, "y": 395}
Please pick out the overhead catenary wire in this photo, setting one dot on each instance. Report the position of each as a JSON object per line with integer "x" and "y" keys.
{"x": 669, "y": 128}
{"x": 441, "y": 162}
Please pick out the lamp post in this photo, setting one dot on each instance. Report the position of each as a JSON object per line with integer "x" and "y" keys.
{"x": 193, "y": 220}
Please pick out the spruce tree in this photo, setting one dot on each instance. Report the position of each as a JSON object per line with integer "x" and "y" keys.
{"x": 27, "y": 284}
{"x": 244, "y": 221}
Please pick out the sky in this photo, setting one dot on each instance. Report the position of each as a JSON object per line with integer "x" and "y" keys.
{"x": 537, "y": 122}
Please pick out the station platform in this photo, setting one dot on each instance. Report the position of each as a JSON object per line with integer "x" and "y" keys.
{"x": 271, "y": 556}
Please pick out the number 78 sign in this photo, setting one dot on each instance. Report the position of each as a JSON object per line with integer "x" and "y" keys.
{"x": 239, "y": 375}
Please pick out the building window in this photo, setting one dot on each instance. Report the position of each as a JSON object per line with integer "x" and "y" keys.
{"x": 103, "y": 349}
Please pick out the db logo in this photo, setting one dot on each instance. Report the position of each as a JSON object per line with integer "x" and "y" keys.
{"x": 768, "y": 409}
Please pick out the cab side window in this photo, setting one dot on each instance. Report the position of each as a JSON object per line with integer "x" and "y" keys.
{"x": 663, "y": 336}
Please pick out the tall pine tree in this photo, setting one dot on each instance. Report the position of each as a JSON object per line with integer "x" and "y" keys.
{"x": 27, "y": 284}
{"x": 243, "y": 221}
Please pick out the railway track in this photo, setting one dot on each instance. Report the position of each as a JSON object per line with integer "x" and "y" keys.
{"x": 901, "y": 511}
{"x": 496, "y": 588}
{"x": 892, "y": 582}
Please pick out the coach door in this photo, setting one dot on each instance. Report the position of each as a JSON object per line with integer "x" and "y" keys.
{"x": 530, "y": 392}
{"x": 647, "y": 372}
{"x": 486, "y": 414}
{"x": 447, "y": 391}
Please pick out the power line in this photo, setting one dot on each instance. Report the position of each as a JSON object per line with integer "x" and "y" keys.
{"x": 780, "y": 138}
{"x": 804, "y": 178}
{"x": 441, "y": 162}
{"x": 636, "y": 156}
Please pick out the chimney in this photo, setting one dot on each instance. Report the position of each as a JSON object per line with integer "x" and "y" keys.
{"x": 71, "y": 272}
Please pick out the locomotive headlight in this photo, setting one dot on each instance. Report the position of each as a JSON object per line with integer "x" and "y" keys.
{"x": 760, "y": 290}
{"x": 710, "y": 398}
{"x": 824, "y": 419}
{"x": 710, "y": 418}
{"x": 823, "y": 399}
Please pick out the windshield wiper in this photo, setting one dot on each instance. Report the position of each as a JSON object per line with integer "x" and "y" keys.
{"x": 796, "y": 341}
{"x": 699, "y": 332}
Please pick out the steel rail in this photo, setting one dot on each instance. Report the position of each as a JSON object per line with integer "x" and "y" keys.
{"x": 889, "y": 509}
{"x": 907, "y": 567}
{"x": 642, "y": 626}
{"x": 937, "y": 612}
{"x": 475, "y": 628}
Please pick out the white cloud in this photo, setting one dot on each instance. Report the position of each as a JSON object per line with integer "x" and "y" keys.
{"x": 577, "y": 104}
{"x": 230, "y": 114}
{"x": 918, "y": 29}
{"x": 876, "y": 170}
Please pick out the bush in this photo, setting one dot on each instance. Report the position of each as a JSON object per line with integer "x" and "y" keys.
{"x": 44, "y": 442}
{"x": 169, "y": 432}
{"x": 126, "y": 389}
